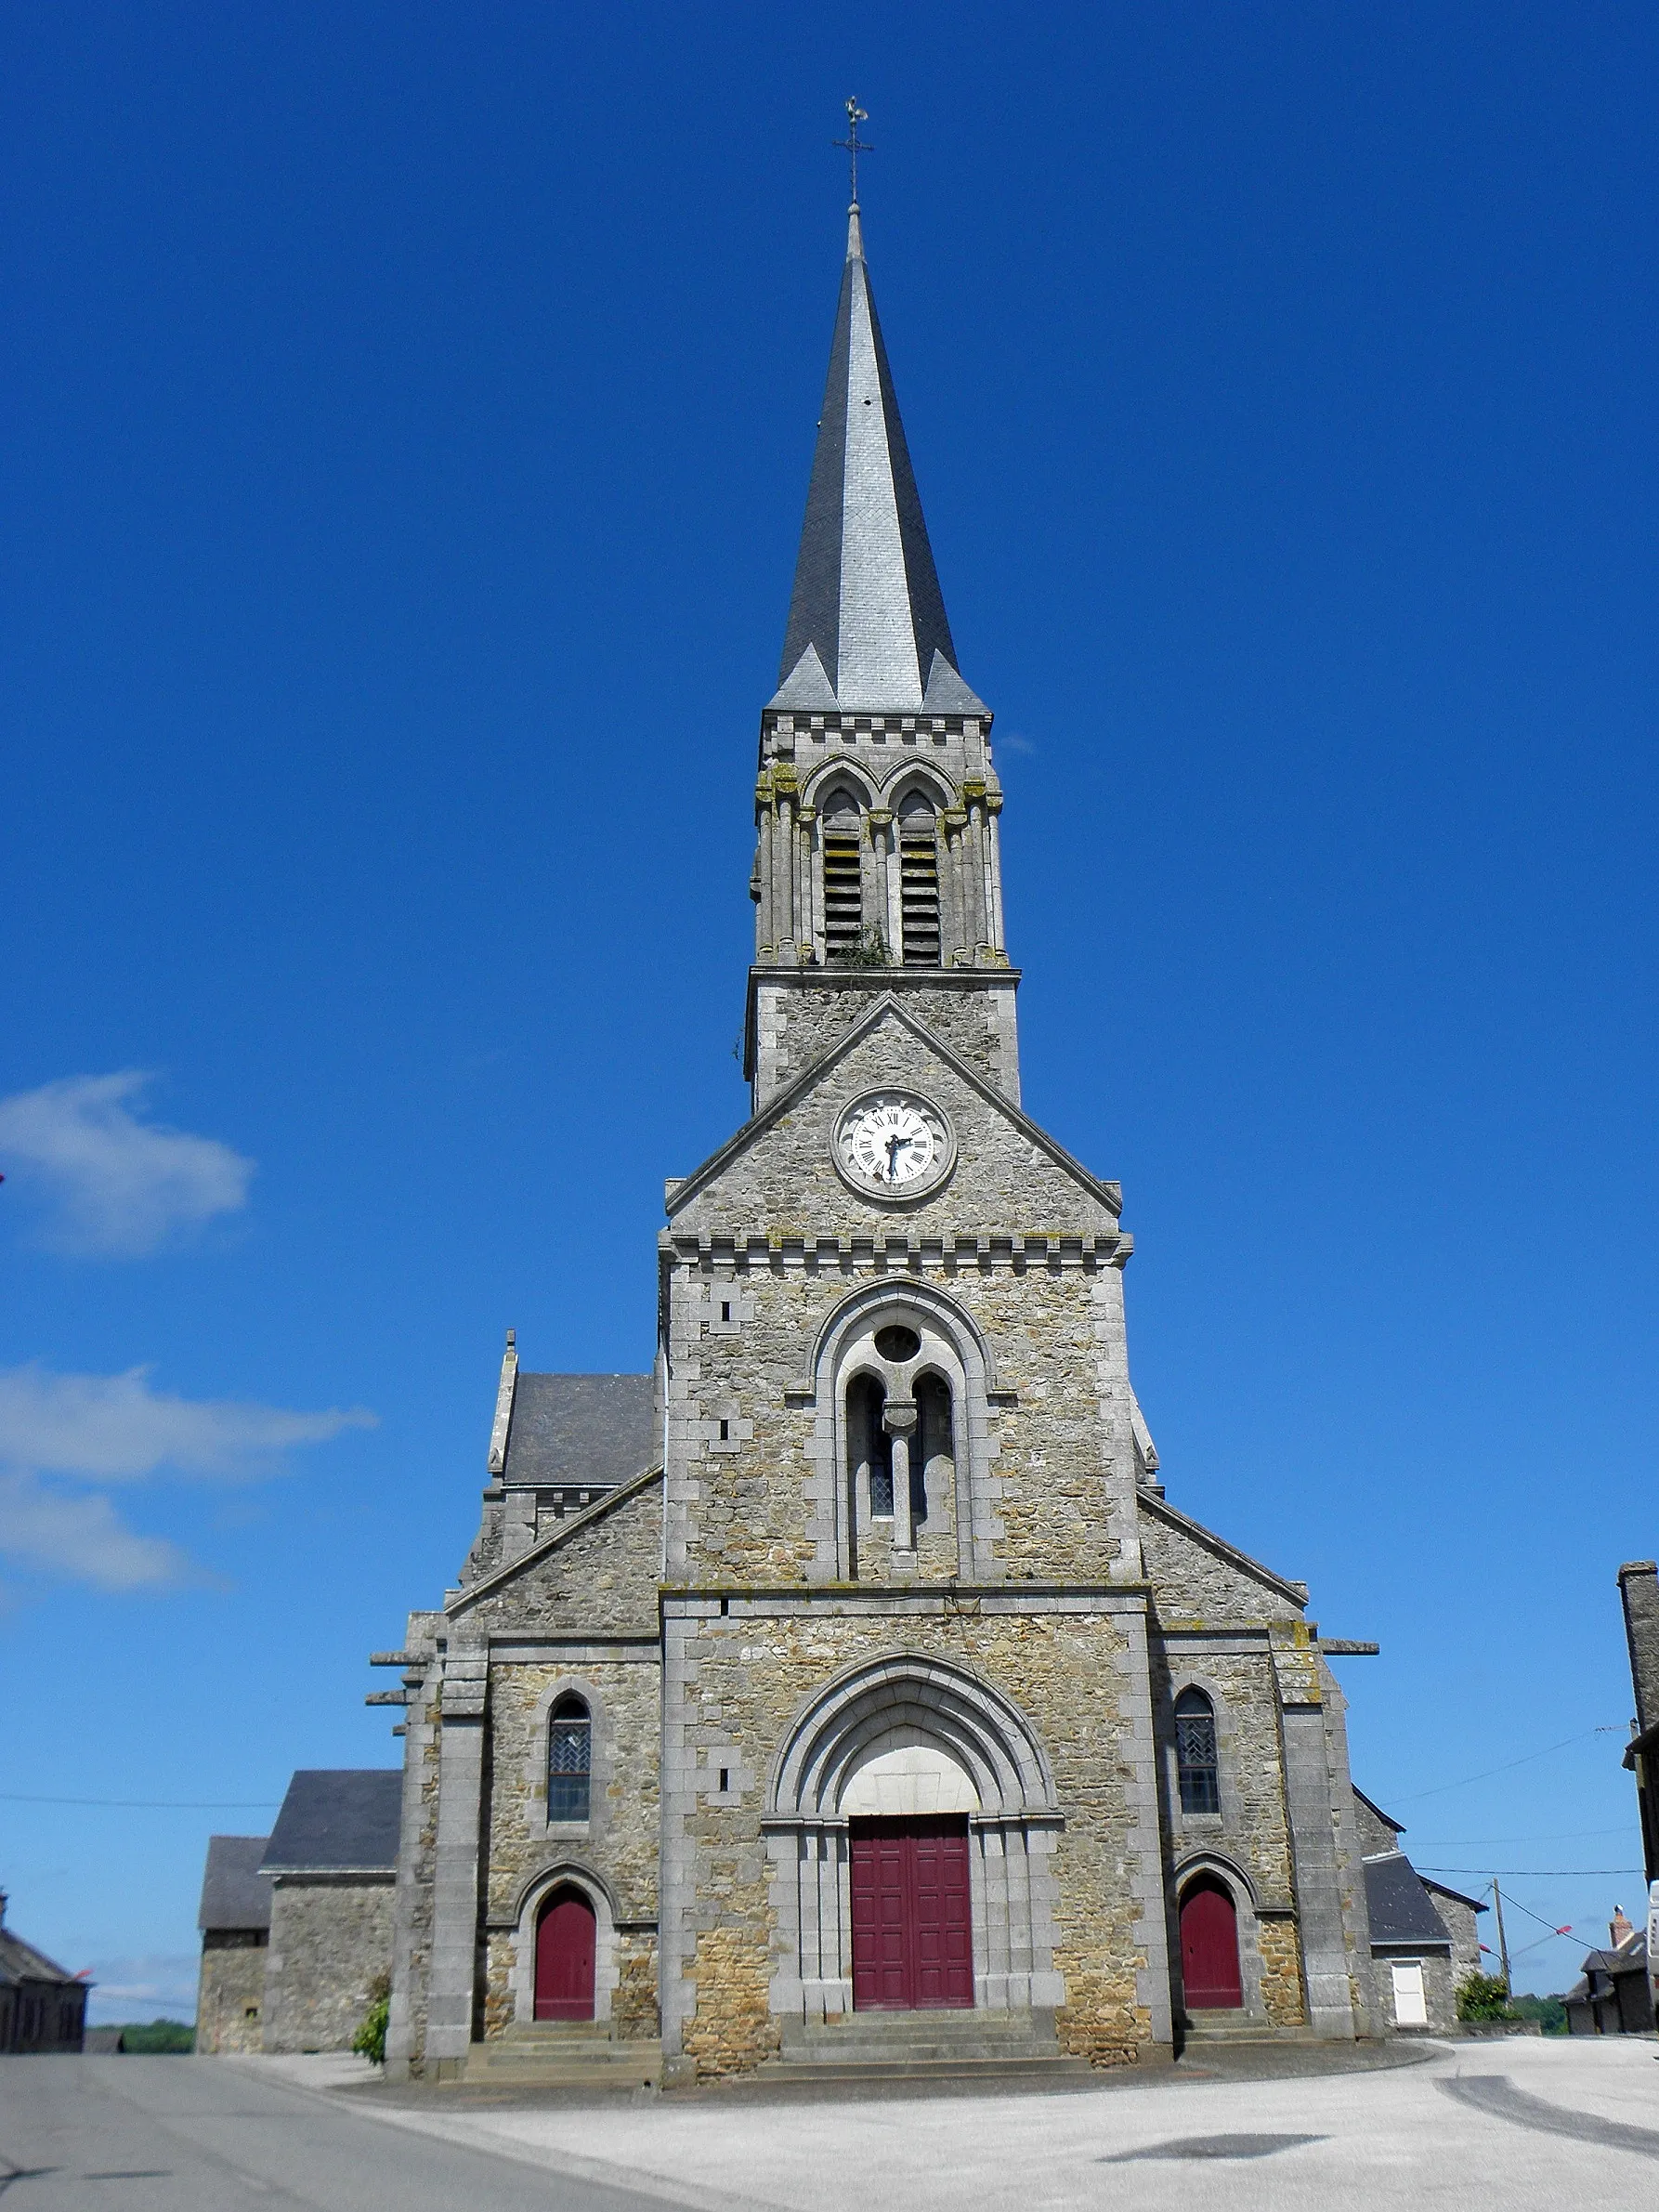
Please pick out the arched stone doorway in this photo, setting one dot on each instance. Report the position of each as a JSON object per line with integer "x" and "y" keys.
{"x": 909, "y": 1821}
{"x": 566, "y": 1945}
{"x": 1209, "y": 1970}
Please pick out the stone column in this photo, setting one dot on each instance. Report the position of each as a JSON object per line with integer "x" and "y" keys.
{"x": 454, "y": 1970}
{"x": 993, "y": 806}
{"x": 898, "y": 1417}
{"x": 1325, "y": 1965}
{"x": 953, "y": 928}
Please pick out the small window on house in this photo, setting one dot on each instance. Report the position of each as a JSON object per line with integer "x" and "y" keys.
{"x": 1195, "y": 1753}
{"x": 569, "y": 1760}
{"x": 725, "y": 1432}
{"x": 726, "y": 1309}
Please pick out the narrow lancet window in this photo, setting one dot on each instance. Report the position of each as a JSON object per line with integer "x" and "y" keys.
{"x": 569, "y": 1760}
{"x": 1196, "y": 1764}
{"x": 919, "y": 880}
{"x": 844, "y": 889}
{"x": 869, "y": 1451}
{"x": 933, "y": 1462}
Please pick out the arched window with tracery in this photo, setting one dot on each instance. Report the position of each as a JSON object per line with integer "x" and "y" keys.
{"x": 569, "y": 1760}
{"x": 869, "y": 1452}
{"x": 919, "y": 880}
{"x": 1196, "y": 1767}
{"x": 843, "y": 877}
{"x": 932, "y": 1463}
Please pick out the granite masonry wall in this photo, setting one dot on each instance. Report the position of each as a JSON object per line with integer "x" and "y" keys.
{"x": 230, "y": 1996}
{"x": 330, "y": 1940}
{"x": 616, "y": 1846}
{"x": 740, "y": 1679}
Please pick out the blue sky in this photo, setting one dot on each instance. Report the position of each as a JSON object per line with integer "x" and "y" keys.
{"x": 414, "y": 411}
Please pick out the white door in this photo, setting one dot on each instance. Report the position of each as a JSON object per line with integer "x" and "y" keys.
{"x": 1411, "y": 2008}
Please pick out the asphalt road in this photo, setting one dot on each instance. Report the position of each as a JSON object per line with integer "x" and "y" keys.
{"x": 187, "y": 2135}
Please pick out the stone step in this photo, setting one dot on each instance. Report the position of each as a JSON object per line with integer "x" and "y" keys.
{"x": 1221, "y": 2029}
{"x": 1032, "y": 2069}
{"x": 882, "y": 2041}
{"x": 528, "y": 2056}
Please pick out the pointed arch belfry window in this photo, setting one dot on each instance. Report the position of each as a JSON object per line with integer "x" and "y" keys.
{"x": 919, "y": 880}
{"x": 843, "y": 887}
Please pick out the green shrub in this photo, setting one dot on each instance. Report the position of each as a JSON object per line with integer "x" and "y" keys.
{"x": 369, "y": 2040}
{"x": 159, "y": 2036}
{"x": 1484, "y": 1997}
{"x": 1550, "y": 2012}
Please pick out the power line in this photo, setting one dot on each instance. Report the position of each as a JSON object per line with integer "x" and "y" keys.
{"x": 9, "y": 1797}
{"x": 1441, "y": 1787}
{"x": 1560, "y": 1836}
{"x": 1534, "y": 1873}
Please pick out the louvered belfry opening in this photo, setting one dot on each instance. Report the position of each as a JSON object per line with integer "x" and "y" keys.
{"x": 919, "y": 878}
{"x": 844, "y": 888}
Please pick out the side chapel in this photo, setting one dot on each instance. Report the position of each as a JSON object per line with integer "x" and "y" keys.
{"x": 850, "y": 1675}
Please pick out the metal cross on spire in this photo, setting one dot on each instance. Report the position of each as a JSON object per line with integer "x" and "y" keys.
{"x": 853, "y": 145}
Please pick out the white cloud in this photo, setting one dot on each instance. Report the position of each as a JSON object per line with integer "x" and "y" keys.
{"x": 115, "y": 1428}
{"x": 80, "y": 1534}
{"x": 160, "y": 1985}
{"x": 117, "y": 1184}
{"x": 79, "y": 1429}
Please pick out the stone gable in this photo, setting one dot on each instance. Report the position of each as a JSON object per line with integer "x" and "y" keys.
{"x": 779, "y": 1177}
{"x": 1197, "y": 1577}
{"x": 596, "y": 1575}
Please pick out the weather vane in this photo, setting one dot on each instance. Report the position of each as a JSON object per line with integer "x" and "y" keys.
{"x": 853, "y": 145}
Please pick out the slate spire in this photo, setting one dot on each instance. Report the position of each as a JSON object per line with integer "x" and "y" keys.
{"x": 867, "y": 629}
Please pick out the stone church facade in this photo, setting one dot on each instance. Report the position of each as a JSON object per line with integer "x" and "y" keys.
{"x": 854, "y": 1662}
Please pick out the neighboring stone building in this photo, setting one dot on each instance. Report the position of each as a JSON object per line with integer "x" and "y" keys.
{"x": 1613, "y": 1996}
{"x": 42, "y": 2007}
{"x": 854, "y": 1660}
{"x": 333, "y": 1860}
{"x": 1423, "y": 1936}
{"x": 1638, "y": 1589}
{"x": 234, "y": 1919}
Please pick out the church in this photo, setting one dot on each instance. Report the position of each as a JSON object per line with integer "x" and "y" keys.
{"x": 847, "y": 1684}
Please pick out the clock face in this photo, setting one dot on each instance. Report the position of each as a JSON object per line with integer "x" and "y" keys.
{"x": 893, "y": 1144}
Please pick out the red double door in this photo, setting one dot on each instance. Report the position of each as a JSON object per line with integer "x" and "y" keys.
{"x": 912, "y": 1929}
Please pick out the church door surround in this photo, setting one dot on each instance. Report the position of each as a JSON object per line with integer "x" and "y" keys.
{"x": 566, "y": 1944}
{"x": 912, "y": 1930}
{"x": 1209, "y": 1970}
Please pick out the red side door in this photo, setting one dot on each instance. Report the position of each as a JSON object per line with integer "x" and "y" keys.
{"x": 913, "y": 1929}
{"x": 565, "y": 1944}
{"x": 1209, "y": 1947}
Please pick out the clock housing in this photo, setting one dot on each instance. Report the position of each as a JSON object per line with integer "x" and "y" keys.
{"x": 894, "y": 1145}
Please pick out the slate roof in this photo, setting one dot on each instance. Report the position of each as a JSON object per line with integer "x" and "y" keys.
{"x": 22, "y": 1962}
{"x": 592, "y": 1429}
{"x": 866, "y": 626}
{"x": 1631, "y": 1957}
{"x": 1440, "y": 1890}
{"x": 234, "y": 1892}
{"x": 337, "y": 1820}
{"x": 1402, "y": 1911}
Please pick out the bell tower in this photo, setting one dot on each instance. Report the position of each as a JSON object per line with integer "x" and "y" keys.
{"x": 877, "y": 863}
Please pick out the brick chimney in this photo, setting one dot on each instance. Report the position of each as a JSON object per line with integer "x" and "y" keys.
{"x": 1619, "y": 1930}
{"x": 1639, "y": 1586}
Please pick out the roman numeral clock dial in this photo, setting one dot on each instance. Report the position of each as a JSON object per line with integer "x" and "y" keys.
{"x": 894, "y": 1145}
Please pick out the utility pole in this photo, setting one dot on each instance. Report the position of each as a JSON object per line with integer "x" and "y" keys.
{"x": 1503, "y": 1947}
